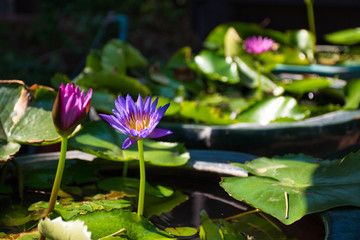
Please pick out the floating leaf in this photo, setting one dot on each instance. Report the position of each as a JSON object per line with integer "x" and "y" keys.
{"x": 132, "y": 184}
{"x": 100, "y": 139}
{"x": 201, "y": 113}
{"x": 159, "y": 205}
{"x": 349, "y": 36}
{"x": 182, "y": 231}
{"x": 258, "y": 227}
{"x": 307, "y": 85}
{"x": 23, "y": 119}
{"x": 102, "y": 223}
{"x": 273, "y": 109}
{"x": 217, "y": 230}
{"x": 217, "y": 67}
{"x": 250, "y": 76}
{"x": 352, "y": 94}
{"x": 292, "y": 186}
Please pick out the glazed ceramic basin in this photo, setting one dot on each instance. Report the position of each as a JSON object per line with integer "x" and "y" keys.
{"x": 321, "y": 136}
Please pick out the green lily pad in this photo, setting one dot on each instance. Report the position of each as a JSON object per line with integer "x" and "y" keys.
{"x": 352, "y": 94}
{"x": 349, "y": 36}
{"x": 258, "y": 227}
{"x": 249, "y": 75}
{"x": 159, "y": 205}
{"x": 102, "y": 223}
{"x": 24, "y": 119}
{"x": 126, "y": 184}
{"x": 100, "y": 139}
{"x": 307, "y": 85}
{"x": 292, "y": 186}
{"x": 73, "y": 209}
{"x": 273, "y": 109}
{"x": 217, "y": 230}
{"x": 182, "y": 231}
{"x": 217, "y": 67}
{"x": 201, "y": 113}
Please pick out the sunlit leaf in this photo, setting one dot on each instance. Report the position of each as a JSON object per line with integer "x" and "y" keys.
{"x": 292, "y": 186}
{"x": 24, "y": 119}
{"x": 307, "y": 85}
{"x": 182, "y": 231}
{"x": 273, "y": 109}
{"x": 352, "y": 94}
{"x": 201, "y": 113}
{"x": 349, "y": 36}
{"x": 217, "y": 67}
{"x": 102, "y": 223}
{"x": 100, "y": 139}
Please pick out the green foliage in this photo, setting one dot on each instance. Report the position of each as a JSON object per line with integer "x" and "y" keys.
{"x": 217, "y": 230}
{"x": 100, "y": 139}
{"x": 292, "y": 186}
{"x": 24, "y": 119}
{"x": 349, "y": 36}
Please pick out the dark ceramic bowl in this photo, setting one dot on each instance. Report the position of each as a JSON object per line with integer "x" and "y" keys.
{"x": 322, "y": 136}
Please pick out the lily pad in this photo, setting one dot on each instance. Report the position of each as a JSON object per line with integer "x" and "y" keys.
{"x": 102, "y": 223}
{"x": 273, "y": 109}
{"x": 292, "y": 186}
{"x": 217, "y": 67}
{"x": 24, "y": 119}
{"x": 100, "y": 139}
{"x": 217, "y": 230}
{"x": 349, "y": 36}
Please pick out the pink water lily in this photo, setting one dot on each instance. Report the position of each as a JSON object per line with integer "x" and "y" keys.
{"x": 137, "y": 120}
{"x": 257, "y": 45}
{"x": 70, "y": 108}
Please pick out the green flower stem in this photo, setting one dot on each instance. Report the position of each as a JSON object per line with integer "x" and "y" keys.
{"x": 59, "y": 173}
{"x": 142, "y": 178}
{"x": 310, "y": 15}
{"x": 259, "y": 89}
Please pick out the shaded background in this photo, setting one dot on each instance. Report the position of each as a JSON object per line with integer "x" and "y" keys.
{"x": 39, "y": 38}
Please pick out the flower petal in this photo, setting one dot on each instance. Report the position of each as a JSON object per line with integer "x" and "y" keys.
{"x": 129, "y": 141}
{"x": 158, "y": 132}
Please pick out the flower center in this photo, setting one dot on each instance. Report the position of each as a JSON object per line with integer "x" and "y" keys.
{"x": 139, "y": 124}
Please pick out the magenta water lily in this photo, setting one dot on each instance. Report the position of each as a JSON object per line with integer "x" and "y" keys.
{"x": 137, "y": 120}
{"x": 258, "y": 45}
{"x": 70, "y": 108}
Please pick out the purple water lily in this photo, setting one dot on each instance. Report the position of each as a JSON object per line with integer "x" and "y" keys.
{"x": 70, "y": 108}
{"x": 257, "y": 45}
{"x": 137, "y": 120}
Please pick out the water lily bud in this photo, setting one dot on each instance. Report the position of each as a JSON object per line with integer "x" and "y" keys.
{"x": 70, "y": 108}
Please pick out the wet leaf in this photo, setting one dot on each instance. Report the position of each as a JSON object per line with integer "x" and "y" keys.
{"x": 306, "y": 184}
